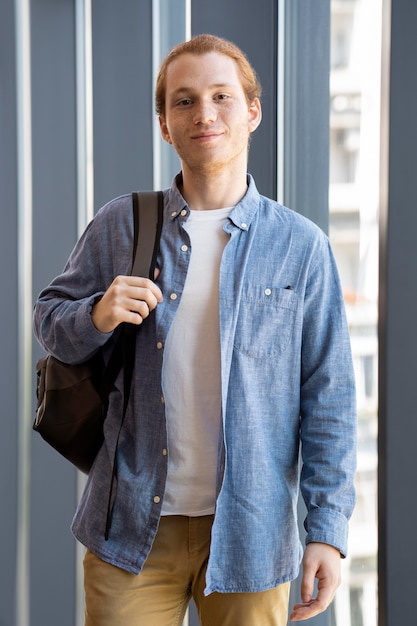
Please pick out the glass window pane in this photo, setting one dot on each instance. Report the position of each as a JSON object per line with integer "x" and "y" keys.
{"x": 353, "y": 198}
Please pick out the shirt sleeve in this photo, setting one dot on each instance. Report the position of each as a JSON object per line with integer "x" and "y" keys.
{"x": 328, "y": 406}
{"x": 62, "y": 312}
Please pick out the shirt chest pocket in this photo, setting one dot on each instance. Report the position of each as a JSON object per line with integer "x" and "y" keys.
{"x": 266, "y": 321}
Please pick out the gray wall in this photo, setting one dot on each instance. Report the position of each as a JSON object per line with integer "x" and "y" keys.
{"x": 123, "y": 108}
{"x": 398, "y": 315}
{"x": 38, "y": 490}
{"x": 8, "y": 326}
{"x": 52, "y": 483}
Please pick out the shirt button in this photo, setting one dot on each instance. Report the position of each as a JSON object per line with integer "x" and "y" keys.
{"x": 162, "y": 399}
{"x": 267, "y": 292}
{"x": 159, "y": 345}
{"x": 184, "y": 248}
{"x": 244, "y": 225}
{"x": 164, "y": 451}
{"x": 173, "y": 296}
{"x": 183, "y": 212}
{"x": 173, "y": 214}
{"x": 157, "y": 499}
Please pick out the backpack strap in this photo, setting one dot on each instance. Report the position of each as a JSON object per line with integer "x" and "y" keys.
{"x": 147, "y": 226}
{"x": 147, "y": 215}
{"x": 147, "y": 220}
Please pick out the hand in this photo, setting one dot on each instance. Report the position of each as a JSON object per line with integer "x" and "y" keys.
{"x": 320, "y": 561}
{"x": 128, "y": 299}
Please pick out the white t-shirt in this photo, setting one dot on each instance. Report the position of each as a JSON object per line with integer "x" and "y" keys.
{"x": 191, "y": 374}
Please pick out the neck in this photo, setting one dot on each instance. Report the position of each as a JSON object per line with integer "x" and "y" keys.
{"x": 205, "y": 191}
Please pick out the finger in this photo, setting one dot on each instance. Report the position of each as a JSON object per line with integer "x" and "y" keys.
{"x": 147, "y": 285}
{"x": 128, "y": 299}
{"x": 129, "y": 285}
{"x": 141, "y": 312}
{"x": 326, "y": 591}
{"x": 141, "y": 301}
{"x": 306, "y": 610}
{"x": 307, "y": 583}
{"x": 124, "y": 309}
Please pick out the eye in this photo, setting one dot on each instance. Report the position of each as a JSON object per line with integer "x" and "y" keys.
{"x": 222, "y": 96}
{"x": 184, "y": 102}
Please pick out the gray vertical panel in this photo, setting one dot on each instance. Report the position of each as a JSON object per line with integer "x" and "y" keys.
{"x": 397, "y": 334}
{"x": 254, "y": 30}
{"x": 54, "y": 233}
{"x": 123, "y": 108}
{"x": 8, "y": 316}
{"x": 307, "y": 111}
{"x": 169, "y": 28}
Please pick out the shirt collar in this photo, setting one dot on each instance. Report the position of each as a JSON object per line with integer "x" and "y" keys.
{"x": 241, "y": 215}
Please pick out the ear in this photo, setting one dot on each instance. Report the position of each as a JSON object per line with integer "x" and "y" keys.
{"x": 255, "y": 115}
{"x": 164, "y": 129}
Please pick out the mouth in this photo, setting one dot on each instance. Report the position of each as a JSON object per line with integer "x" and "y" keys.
{"x": 206, "y": 136}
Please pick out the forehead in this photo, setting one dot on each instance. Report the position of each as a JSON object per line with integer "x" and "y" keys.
{"x": 191, "y": 71}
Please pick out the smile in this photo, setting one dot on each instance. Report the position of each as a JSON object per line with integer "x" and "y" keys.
{"x": 206, "y": 136}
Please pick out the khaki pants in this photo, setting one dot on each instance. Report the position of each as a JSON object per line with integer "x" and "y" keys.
{"x": 173, "y": 574}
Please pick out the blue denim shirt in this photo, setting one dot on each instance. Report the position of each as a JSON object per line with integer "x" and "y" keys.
{"x": 287, "y": 384}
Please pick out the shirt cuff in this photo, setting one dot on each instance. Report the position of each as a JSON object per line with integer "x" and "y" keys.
{"x": 84, "y": 326}
{"x": 327, "y": 526}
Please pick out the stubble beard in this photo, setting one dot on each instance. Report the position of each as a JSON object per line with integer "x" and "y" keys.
{"x": 207, "y": 165}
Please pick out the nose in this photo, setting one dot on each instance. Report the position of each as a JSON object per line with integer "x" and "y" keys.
{"x": 205, "y": 112}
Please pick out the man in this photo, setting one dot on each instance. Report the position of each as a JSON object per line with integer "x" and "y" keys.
{"x": 242, "y": 358}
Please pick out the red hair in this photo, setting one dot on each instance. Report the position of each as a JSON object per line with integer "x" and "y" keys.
{"x": 202, "y": 44}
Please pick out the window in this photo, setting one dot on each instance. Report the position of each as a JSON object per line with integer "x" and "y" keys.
{"x": 353, "y": 199}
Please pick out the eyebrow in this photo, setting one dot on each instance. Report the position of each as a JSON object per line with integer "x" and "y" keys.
{"x": 189, "y": 90}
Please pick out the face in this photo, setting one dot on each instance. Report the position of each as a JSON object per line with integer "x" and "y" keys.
{"x": 207, "y": 117}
